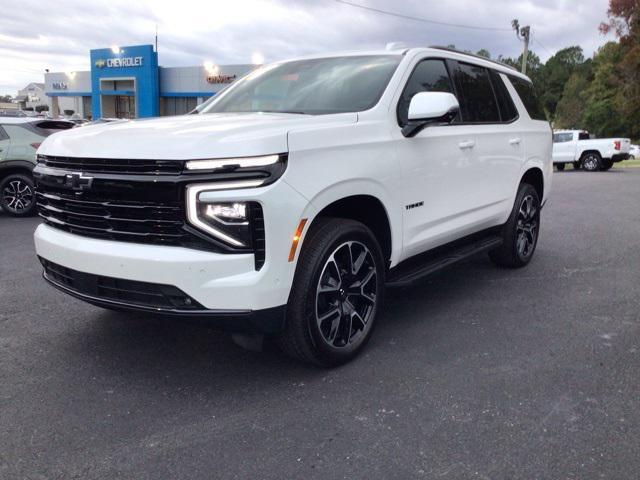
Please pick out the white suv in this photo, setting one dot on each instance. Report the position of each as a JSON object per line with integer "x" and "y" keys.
{"x": 288, "y": 203}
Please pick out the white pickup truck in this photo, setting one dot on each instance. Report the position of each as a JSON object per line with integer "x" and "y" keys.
{"x": 577, "y": 147}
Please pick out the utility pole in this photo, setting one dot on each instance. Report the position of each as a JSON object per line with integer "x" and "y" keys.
{"x": 524, "y": 34}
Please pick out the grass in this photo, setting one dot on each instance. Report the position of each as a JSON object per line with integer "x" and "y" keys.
{"x": 628, "y": 164}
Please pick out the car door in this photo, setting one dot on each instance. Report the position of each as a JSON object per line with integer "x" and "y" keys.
{"x": 564, "y": 148}
{"x": 499, "y": 151}
{"x": 436, "y": 165}
{"x": 5, "y": 142}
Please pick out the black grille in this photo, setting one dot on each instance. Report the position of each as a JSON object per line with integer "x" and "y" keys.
{"x": 113, "y": 165}
{"x": 159, "y": 223}
{"x": 151, "y": 295}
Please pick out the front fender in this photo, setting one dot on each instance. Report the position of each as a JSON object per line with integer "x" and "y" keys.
{"x": 358, "y": 186}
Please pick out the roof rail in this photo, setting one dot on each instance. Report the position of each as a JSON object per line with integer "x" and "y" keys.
{"x": 455, "y": 50}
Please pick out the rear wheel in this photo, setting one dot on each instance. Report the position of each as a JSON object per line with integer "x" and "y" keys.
{"x": 520, "y": 233}
{"x": 591, "y": 161}
{"x": 560, "y": 166}
{"x": 606, "y": 165}
{"x": 17, "y": 195}
{"x": 336, "y": 295}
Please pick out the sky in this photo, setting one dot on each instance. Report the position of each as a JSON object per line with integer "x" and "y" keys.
{"x": 190, "y": 32}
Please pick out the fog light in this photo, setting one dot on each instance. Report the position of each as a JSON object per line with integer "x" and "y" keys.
{"x": 234, "y": 213}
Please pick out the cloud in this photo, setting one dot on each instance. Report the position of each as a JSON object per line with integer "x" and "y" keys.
{"x": 192, "y": 31}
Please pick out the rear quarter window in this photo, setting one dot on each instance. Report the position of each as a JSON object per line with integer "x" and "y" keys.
{"x": 528, "y": 97}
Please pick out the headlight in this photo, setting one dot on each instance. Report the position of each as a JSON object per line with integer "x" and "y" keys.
{"x": 229, "y": 222}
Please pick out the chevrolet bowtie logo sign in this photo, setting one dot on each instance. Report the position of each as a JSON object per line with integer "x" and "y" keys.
{"x": 77, "y": 181}
{"x": 100, "y": 63}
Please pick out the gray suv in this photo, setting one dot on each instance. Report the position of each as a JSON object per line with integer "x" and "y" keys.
{"x": 20, "y": 137}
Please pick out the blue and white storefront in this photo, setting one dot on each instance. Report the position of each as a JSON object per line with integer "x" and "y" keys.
{"x": 127, "y": 82}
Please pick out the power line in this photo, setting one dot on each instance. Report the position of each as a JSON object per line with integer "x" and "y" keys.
{"x": 540, "y": 43}
{"x": 420, "y": 19}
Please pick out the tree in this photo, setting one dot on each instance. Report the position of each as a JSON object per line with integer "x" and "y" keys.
{"x": 555, "y": 74}
{"x": 483, "y": 52}
{"x": 572, "y": 103}
{"x": 605, "y": 99}
{"x": 6, "y": 98}
{"x": 624, "y": 21}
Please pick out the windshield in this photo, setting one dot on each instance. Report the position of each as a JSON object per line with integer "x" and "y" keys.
{"x": 313, "y": 87}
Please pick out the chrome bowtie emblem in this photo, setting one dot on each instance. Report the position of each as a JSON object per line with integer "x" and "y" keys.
{"x": 77, "y": 181}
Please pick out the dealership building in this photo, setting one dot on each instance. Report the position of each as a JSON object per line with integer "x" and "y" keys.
{"x": 126, "y": 82}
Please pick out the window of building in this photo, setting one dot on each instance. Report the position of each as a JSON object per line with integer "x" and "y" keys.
{"x": 178, "y": 105}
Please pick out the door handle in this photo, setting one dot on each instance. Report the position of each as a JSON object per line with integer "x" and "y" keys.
{"x": 469, "y": 144}
{"x": 515, "y": 141}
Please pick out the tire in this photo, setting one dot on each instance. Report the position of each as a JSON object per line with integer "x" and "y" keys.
{"x": 591, "y": 162}
{"x": 576, "y": 165}
{"x": 606, "y": 165}
{"x": 560, "y": 167}
{"x": 520, "y": 233}
{"x": 17, "y": 195}
{"x": 328, "y": 324}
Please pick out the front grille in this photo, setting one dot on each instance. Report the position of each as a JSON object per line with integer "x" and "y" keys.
{"x": 130, "y": 292}
{"x": 133, "y": 208}
{"x": 113, "y": 165}
{"x": 124, "y": 219}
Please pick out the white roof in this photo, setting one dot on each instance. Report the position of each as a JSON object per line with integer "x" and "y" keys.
{"x": 436, "y": 51}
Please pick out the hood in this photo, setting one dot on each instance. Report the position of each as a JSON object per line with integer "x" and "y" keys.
{"x": 187, "y": 136}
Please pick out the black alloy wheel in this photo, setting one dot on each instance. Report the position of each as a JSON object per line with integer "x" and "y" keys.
{"x": 346, "y": 295}
{"x": 17, "y": 195}
{"x": 520, "y": 233}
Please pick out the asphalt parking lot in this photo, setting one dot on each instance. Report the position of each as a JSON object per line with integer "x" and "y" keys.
{"x": 477, "y": 373}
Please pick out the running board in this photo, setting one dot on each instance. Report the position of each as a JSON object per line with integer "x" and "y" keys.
{"x": 421, "y": 266}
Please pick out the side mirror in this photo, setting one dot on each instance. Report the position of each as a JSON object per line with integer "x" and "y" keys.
{"x": 427, "y": 108}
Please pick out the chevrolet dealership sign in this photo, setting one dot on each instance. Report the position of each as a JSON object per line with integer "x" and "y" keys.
{"x": 119, "y": 62}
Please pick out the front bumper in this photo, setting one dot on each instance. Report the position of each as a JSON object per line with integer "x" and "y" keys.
{"x": 225, "y": 284}
{"x": 266, "y": 321}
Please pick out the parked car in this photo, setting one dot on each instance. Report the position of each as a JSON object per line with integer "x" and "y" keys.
{"x": 8, "y": 112}
{"x": 20, "y": 137}
{"x": 634, "y": 152}
{"x": 292, "y": 200}
{"x": 577, "y": 148}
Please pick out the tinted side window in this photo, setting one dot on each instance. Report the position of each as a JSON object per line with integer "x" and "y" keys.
{"x": 478, "y": 103}
{"x": 428, "y": 76}
{"x": 508, "y": 111}
{"x": 528, "y": 97}
{"x": 562, "y": 137}
{"x": 584, "y": 136}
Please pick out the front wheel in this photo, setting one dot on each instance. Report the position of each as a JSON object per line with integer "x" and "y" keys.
{"x": 520, "y": 233}
{"x": 560, "y": 166}
{"x": 336, "y": 295}
{"x": 17, "y": 195}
